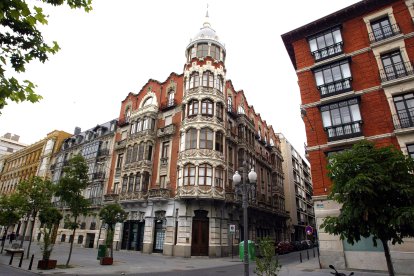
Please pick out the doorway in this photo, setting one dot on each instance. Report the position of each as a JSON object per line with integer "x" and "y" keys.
{"x": 200, "y": 234}
{"x": 90, "y": 238}
{"x": 133, "y": 235}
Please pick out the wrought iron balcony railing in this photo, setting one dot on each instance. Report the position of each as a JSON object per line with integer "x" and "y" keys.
{"x": 336, "y": 87}
{"x": 405, "y": 120}
{"x": 383, "y": 32}
{"x": 344, "y": 131}
{"x": 327, "y": 52}
{"x": 168, "y": 105}
{"x": 396, "y": 71}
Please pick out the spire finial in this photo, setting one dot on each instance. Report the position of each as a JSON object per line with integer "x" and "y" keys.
{"x": 207, "y": 21}
{"x": 207, "y": 11}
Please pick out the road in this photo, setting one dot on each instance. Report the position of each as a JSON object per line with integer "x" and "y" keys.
{"x": 6, "y": 270}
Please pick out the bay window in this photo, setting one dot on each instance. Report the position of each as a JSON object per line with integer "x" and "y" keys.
{"x": 191, "y": 138}
{"x": 208, "y": 79}
{"x": 207, "y": 107}
{"x": 192, "y": 108}
{"x": 219, "y": 177}
{"x": 206, "y": 138}
{"x": 189, "y": 174}
{"x": 326, "y": 44}
{"x": 205, "y": 174}
{"x": 334, "y": 78}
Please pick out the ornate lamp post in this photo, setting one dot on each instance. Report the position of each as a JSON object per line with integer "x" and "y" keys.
{"x": 244, "y": 188}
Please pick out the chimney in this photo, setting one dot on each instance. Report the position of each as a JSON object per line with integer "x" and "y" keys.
{"x": 77, "y": 130}
{"x": 15, "y": 138}
{"x": 7, "y": 135}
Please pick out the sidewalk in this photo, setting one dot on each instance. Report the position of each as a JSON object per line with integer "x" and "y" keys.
{"x": 84, "y": 262}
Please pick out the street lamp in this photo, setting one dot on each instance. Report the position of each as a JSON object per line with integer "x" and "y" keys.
{"x": 244, "y": 188}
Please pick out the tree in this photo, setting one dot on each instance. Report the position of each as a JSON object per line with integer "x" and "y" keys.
{"x": 70, "y": 189}
{"x": 50, "y": 218}
{"x": 37, "y": 194}
{"x": 375, "y": 186}
{"x": 112, "y": 214}
{"x": 21, "y": 42}
{"x": 267, "y": 265}
{"x": 10, "y": 212}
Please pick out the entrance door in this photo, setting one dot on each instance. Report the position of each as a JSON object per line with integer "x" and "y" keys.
{"x": 159, "y": 237}
{"x": 200, "y": 234}
{"x": 89, "y": 240}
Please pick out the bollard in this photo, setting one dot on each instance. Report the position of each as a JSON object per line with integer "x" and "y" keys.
{"x": 11, "y": 258}
{"x": 313, "y": 249}
{"x": 21, "y": 259}
{"x": 31, "y": 262}
{"x": 300, "y": 256}
{"x": 307, "y": 253}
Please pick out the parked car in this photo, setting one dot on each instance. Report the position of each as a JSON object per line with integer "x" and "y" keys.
{"x": 284, "y": 247}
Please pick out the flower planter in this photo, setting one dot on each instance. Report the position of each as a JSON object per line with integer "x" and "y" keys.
{"x": 46, "y": 264}
{"x": 107, "y": 261}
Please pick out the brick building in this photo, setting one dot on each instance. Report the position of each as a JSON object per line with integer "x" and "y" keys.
{"x": 356, "y": 81}
{"x": 178, "y": 145}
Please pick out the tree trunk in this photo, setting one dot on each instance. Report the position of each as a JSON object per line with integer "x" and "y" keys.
{"x": 24, "y": 230}
{"x": 71, "y": 244}
{"x": 3, "y": 241}
{"x": 112, "y": 242}
{"x": 388, "y": 257}
{"x": 31, "y": 235}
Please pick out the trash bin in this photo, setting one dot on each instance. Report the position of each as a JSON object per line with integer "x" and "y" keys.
{"x": 101, "y": 251}
{"x": 250, "y": 250}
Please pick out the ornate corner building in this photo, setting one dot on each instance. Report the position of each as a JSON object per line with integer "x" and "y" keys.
{"x": 178, "y": 144}
{"x": 356, "y": 80}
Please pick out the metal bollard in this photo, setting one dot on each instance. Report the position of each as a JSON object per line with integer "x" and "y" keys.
{"x": 21, "y": 259}
{"x": 11, "y": 258}
{"x": 313, "y": 249}
{"x": 300, "y": 256}
{"x": 31, "y": 262}
{"x": 307, "y": 253}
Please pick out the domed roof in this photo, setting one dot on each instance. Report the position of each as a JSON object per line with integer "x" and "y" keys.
{"x": 206, "y": 34}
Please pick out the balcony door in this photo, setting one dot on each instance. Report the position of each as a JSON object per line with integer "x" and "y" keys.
{"x": 404, "y": 106}
{"x": 394, "y": 66}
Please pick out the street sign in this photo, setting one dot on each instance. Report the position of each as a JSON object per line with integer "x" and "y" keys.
{"x": 232, "y": 228}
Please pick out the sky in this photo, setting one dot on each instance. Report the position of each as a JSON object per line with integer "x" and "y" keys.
{"x": 118, "y": 46}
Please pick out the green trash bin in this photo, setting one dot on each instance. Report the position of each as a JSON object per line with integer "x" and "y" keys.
{"x": 250, "y": 250}
{"x": 101, "y": 251}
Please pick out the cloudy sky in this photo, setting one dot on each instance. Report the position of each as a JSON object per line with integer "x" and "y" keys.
{"x": 117, "y": 47}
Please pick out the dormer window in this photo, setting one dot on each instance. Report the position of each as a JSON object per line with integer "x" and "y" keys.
{"x": 127, "y": 114}
{"x": 240, "y": 110}
{"x": 326, "y": 44}
{"x": 229, "y": 104}
{"x": 148, "y": 101}
{"x": 171, "y": 98}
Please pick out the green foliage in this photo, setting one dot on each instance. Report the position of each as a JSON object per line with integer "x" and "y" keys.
{"x": 268, "y": 264}
{"x": 37, "y": 194}
{"x": 11, "y": 209}
{"x": 112, "y": 214}
{"x": 21, "y": 42}
{"x": 375, "y": 186}
{"x": 50, "y": 218}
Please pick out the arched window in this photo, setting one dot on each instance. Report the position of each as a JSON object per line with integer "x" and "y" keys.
{"x": 229, "y": 104}
{"x": 205, "y": 174}
{"x": 206, "y": 138}
{"x": 194, "y": 80}
{"x": 191, "y": 138}
{"x": 218, "y": 84}
{"x": 208, "y": 79}
{"x": 207, "y": 107}
{"x": 202, "y": 50}
{"x": 171, "y": 95}
{"x": 137, "y": 182}
{"x": 219, "y": 177}
{"x": 240, "y": 110}
{"x": 131, "y": 183}
{"x": 124, "y": 184}
{"x": 219, "y": 141}
{"x": 127, "y": 114}
{"x": 192, "y": 108}
{"x": 219, "y": 111}
{"x": 134, "y": 153}
{"x": 189, "y": 174}
{"x": 148, "y": 101}
{"x": 141, "y": 151}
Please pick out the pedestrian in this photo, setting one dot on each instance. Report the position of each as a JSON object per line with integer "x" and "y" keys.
{"x": 12, "y": 237}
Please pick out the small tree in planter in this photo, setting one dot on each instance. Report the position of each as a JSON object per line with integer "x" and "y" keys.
{"x": 267, "y": 265}
{"x": 49, "y": 218}
{"x": 111, "y": 214}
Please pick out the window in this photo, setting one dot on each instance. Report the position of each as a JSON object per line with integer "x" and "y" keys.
{"x": 132, "y": 129}
{"x": 230, "y": 156}
{"x": 219, "y": 176}
{"x": 192, "y": 108}
{"x": 333, "y": 79}
{"x": 218, "y": 84}
{"x": 137, "y": 181}
{"x": 145, "y": 181}
{"x": 145, "y": 124}
{"x": 163, "y": 181}
{"x": 194, "y": 80}
{"x": 202, "y": 50}
{"x": 139, "y": 125}
{"x": 229, "y": 104}
{"x": 382, "y": 29}
{"x": 180, "y": 176}
{"x": 141, "y": 151}
{"x": 168, "y": 120}
{"x": 394, "y": 66}
{"x": 127, "y": 114}
{"x": 165, "y": 150}
{"x": 189, "y": 174}
{"x": 205, "y": 174}
{"x": 148, "y": 101}
{"x": 149, "y": 153}
{"x": 240, "y": 110}
{"x": 191, "y": 138}
{"x": 206, "y": 138}
{"x": 207, "y": 107}
{"x": 404, "y": 106}
{"x": 208, "y": 79}
{"x": 134, "y": 153}
{"x": 182, "y": 141}
{"x": 215, "y": 52}
{"x": 342, "y": 120}
{"x": 124, "y": 183}
{"x": 219, "y": 111}
{"x": 129, "y": 155}
{"x": 131, "y": 183}
{"x": 171, "y": 95}
{"x": 120, "y": 159}
{"x": 410, "y": 150}
{"x": 219, "y": 141}
{"x": 326, "y": 44}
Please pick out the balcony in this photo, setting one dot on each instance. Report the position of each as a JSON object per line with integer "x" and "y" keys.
{"x": 396, "y": 71}
{"x": 404, "y": 121}
{"x": 161, "y": 193}
{"x": 166, "y": 131}
{"x": 384, "y": 32}
{"x": 111, "y": 197}
{"x": 98, "y": 176}
{"x": 344, "y": 131}
{"x": 103, "y": 152}
{"x": 336, "y": 87}
{"x": 120, "y": 144}
{"x": 95, "y": 201}
{"x": 327, "y": 52}
{"x": 170, "y": 104}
